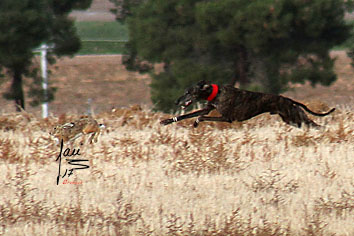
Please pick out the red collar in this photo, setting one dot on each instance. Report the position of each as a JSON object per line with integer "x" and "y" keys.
{"x": 213, "y": 93}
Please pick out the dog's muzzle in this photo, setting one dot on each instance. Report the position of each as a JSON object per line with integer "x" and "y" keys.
{"x": 184, "y": 103}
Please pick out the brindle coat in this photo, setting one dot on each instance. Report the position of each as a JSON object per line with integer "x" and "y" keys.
{"x": 236, "y": 104}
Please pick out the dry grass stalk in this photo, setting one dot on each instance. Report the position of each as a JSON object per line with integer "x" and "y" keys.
{"x": 260, "y": 177}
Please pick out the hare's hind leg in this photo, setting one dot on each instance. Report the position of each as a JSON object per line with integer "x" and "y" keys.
{"x": 97, "y": 133}
{"x": 72, "y": 140}
{"x": 94, "y": 136}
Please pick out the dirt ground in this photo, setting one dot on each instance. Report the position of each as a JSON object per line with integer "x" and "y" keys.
{"x": 103, "y": 82}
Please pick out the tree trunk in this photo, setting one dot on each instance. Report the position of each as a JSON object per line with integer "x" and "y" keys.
{"x": 17, "y": 91}
{"x": 241, "y": 68}
{"x": 272, "y": 82}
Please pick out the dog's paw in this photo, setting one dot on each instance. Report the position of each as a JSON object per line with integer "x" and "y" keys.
{"x": 166, "y": 122}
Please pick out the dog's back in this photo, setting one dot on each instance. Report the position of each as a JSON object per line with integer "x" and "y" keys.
{"x": 238, "y": 104}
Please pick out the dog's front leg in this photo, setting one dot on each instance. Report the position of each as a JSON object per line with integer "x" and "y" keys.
{"x": 209, "y": 118}
{"x": 201, "y": 112}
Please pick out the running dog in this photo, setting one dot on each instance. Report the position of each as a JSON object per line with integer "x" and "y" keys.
{"x": 238, "y": 105}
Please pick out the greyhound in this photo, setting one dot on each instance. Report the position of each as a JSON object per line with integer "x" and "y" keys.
{"x": 237, "y": 104}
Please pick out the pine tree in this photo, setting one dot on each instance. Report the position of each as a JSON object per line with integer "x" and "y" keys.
{"x": 264, "y": 42}
{"x": 24, "y": 26}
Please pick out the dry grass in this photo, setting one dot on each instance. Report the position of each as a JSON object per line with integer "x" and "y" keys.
{"x": 260, "y": 177}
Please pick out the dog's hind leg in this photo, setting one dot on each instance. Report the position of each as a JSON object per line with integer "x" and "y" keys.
{"x": 296, "y": 117}
{"x": 303, "y": 118}
{"x": 290, "y": 121}
{"x": 310, "y": 123}
{"x": 210, "y": 118}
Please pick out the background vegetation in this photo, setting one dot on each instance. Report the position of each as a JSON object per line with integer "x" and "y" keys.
{"x": 264, "y": 45}
{"x": 26, "y": 25}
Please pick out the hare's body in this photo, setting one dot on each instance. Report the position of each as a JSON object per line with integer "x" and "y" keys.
{"x": 73, "y": 130}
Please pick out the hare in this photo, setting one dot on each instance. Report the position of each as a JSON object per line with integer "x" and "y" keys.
{"x": 73, "y": 130}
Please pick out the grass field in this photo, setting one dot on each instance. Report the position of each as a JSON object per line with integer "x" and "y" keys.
{"x": 99, "y": 37}
{"x": 260, "y": 177}
{"x": 99, "y": 30}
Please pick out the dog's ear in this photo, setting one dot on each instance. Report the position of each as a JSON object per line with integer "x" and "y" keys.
{"x": 203, "y": 85}
{"x": 206, "y": 86}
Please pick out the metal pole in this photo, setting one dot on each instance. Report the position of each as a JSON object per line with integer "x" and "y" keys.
{"x": 44, "y": 80}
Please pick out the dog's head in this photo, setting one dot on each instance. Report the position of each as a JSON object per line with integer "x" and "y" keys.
{"x": 201, "y": 91}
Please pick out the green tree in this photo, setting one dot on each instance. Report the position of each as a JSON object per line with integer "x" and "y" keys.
{"x": 265, "y": 42}
{"x": 349, "y": 45}
{"x": 24, "y": 26}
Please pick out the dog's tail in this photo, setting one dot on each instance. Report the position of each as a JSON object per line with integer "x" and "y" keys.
{"x": 311, "y": 112}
